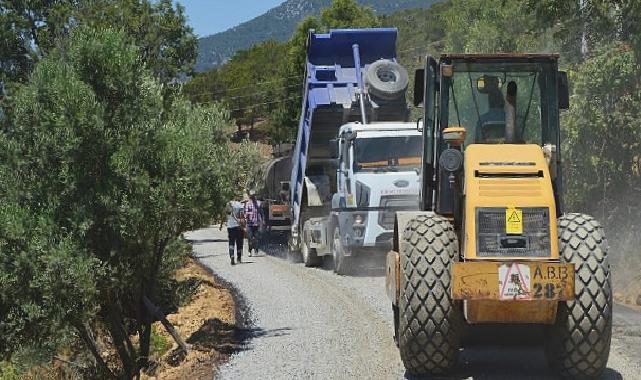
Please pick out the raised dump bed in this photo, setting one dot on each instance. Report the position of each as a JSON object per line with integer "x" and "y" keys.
{"x": 331, "y": 99}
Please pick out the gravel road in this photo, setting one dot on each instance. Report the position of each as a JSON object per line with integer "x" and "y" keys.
{"x": 310, "y": 323}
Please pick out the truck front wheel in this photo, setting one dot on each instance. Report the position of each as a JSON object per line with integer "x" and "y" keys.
{"x": 341, "y": 262}
{"x": 429, "y": 320}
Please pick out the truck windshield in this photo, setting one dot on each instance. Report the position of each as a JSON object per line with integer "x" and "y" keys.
{"x": 380, "y": 154}
{"x": 477, "y": 94}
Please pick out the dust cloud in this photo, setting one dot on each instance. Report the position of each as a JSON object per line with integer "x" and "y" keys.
{"x": 621, "y": 219}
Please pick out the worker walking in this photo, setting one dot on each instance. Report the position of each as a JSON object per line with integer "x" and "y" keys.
{"x": 253, "y": 215}
{"x": 235, "y": 230}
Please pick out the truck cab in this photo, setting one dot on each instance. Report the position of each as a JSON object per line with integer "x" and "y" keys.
{"x": 377, "y": 175}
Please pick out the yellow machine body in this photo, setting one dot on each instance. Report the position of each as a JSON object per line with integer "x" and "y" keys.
{"x": 507, "y": 179}
{"x": 499, "y": 289}
{"x": 507, "y": 176}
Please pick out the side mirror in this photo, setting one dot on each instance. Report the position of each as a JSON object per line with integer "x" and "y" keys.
{"x": 333, "y": 148}
{"x": 563, "y": 90}
{"x": 419, "y": 87}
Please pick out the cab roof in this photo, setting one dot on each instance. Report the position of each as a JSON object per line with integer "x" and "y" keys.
{"x": 502, "y": 56}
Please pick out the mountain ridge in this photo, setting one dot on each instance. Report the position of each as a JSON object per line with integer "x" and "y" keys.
{"x": 278, "y": 24}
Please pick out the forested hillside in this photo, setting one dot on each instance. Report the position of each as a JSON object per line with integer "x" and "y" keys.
{"x": 278, "y": 24}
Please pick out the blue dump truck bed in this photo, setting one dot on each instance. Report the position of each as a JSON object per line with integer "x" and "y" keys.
{"x": 330, "y": 98}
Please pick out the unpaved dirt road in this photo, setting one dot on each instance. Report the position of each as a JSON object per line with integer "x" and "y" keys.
{"x": 310, "y": 323}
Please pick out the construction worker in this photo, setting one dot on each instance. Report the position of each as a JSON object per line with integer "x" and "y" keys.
{"x": 254, "y": 217}
{"x": 235, "y": 230}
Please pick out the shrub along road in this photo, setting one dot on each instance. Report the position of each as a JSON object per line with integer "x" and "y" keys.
{"x": 311, "y": 323}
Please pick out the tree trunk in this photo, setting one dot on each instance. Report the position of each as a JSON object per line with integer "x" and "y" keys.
{"x": 118, "y": 334}
{"x": 147, "y": 319}
{"x": 87, "y": 337}
{"x": 155, "y": 311}
{"x": 145, "y": 342}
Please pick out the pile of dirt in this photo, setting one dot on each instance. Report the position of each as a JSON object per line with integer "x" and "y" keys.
{"x": 208, "y": 326}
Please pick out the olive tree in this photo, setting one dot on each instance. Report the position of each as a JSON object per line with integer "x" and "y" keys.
{"x": 104, "y": 179}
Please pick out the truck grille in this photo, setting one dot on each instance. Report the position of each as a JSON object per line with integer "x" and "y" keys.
{"x": 493, "y": 241}
{"x": 390, "y": 204}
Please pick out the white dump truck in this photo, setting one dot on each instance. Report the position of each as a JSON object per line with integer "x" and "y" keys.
{"x": 357, "y": 159}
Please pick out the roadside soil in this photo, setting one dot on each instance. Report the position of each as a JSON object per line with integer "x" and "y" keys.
{"x": 208, "y": 326}
{"x": 630, "y": 294}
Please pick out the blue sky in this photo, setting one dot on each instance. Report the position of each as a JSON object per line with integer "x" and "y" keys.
{"x": 213, "y": 16}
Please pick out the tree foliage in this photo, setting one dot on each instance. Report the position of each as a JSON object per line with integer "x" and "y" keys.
{"x": 247, "y": 84}
{"x": 27, "y": 31}
{"x": 602, "y": 149}
{"x": 584, "y": 26}
{"x": 30, "y": 29}
{"x": 159, "y": 28}
{"x": 490, "y": 26}
{"x": 108, "y": 180}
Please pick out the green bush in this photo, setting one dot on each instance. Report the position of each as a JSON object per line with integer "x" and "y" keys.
{"x": 102, "y": 177}
{"x": 8, "y": 371}
{"x": 159, "y": 345}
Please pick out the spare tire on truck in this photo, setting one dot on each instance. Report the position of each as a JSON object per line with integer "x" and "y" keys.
{"x": 386, "y": 79}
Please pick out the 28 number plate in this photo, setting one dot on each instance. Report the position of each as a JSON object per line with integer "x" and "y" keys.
{"x": 550, "y": 282}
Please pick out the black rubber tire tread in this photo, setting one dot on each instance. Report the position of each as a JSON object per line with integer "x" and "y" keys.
{"x": 430, "y": 322}
{"x": 386, "y": 90}
{"x": 578, "y": 344}
{"x": 342, "y": 263}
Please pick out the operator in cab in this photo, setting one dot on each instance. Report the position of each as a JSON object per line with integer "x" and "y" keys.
{"x": 499, "y": 124}
{"x": 491, "y": 125}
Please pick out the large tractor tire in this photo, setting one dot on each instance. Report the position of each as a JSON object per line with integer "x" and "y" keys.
{"x": 310, "y": 259}
{"x": 578, "y": 344}
{"x": 430, "y": 322}
{"x": 342, "y": 263}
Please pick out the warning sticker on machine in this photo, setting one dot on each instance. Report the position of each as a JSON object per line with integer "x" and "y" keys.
{"x": 513, "y": 221}
{"x": 514, "y": 282}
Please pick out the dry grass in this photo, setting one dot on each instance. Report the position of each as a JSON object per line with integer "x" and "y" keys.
{"x": 207, "y": 324}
